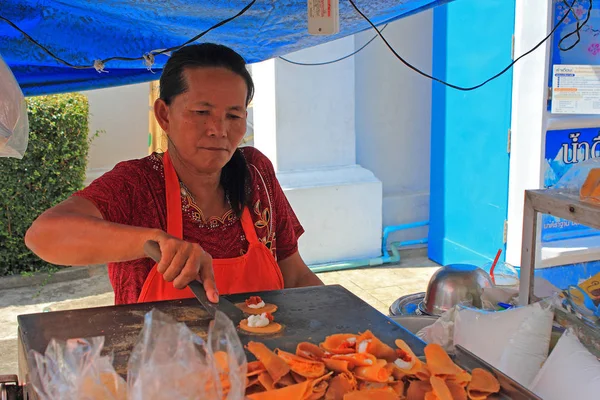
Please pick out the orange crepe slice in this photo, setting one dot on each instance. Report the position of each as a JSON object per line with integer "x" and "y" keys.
{"x": 270, "y": 308}
{"x": 272, "y": 328}
{"x": 462, "y": 379}
{"x": 482, "y": 384}
{"x": 318, "y": 387}
{"x": 440, "y": 389}
{"x": 310, "y": 351}
{"x": 375, "y": 373}
{"x": 339, "y": 344}
{"x": 266, "y": 381}
{"x": 417, "y": 390}
{"x": 458, "y": 391}
{"x": 417, "y": 365}
{"x": 399, "y": 387}
{"x": 375, "y": 346}
{"x": 286, "y": 380}
{"x": 372, "y": 394}
{"x": 364, "y": 385}
{"x": 336, "y": 365}
{"x": 439, "y": 362}
{"x": 430, "y": 396}
{"x": 255, "y": 368}
{"x": 340, "y": 385}
{"x": 274, "y": 365}
{"x": 302, "y": 366}
{"x": 298, "y": 378}
{"x": 298, "y": 391}
{"x": 251, "y": 382}
{"x": 356, "y": 359}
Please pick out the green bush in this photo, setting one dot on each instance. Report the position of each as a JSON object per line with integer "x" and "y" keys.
{"x": 53, "y": 167}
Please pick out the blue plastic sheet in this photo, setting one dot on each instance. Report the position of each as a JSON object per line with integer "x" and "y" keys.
{"x": 81, "y": 31}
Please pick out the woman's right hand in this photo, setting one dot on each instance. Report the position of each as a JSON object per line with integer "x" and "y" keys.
{"x": 181, "y": 262}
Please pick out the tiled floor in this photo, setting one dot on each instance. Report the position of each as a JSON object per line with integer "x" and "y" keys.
{"x": 381, "y": 286}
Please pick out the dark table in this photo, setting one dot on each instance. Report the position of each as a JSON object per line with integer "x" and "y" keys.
{"x": 308, "y": 314}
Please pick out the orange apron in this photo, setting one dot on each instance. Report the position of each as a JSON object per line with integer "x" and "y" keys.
{"x": 255, "y": 271}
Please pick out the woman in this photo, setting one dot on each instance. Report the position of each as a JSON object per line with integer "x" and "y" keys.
{"x": 217, "y": 212}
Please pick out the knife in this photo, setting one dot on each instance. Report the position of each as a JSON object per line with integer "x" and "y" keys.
{"x": 152, "y": 249}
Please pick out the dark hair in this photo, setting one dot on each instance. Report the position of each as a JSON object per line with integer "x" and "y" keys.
{"x": 235, "y": 174}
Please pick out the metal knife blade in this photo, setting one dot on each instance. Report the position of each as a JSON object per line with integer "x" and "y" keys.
{"x": 152, "y": 249}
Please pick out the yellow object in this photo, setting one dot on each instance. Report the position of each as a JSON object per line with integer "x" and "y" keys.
{"x": 590, "y": 190}
{"x": 592, "y": 287}
{"x": 157, "y": 138}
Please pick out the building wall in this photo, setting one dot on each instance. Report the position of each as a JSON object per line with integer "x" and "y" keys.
{"x": 121, "y": 114}
{"x": 393, "y": 112}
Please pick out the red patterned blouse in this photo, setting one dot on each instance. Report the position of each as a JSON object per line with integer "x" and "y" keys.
{"x": 133, "y": 193}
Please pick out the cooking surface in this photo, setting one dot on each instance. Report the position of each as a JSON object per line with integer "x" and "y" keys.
{"x": 308, "y": 314}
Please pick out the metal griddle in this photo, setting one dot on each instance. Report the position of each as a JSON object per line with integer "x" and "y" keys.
{"x": 308, "y": 314}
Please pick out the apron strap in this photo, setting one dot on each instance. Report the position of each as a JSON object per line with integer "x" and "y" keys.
{"x": 173, "y": 191}
{"x": 248, "y": 226}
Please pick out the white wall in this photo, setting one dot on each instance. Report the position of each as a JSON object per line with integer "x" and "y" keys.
{"x": 393, "y": 112}
{"x": 122, "y": 113}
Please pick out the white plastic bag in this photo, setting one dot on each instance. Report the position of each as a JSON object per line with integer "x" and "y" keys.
{"x": 571, "y": 372}
{"x": 171, "y": 362}
{"x": 515, "y": 341}
{"x": 75, "y": 370}
{"x": 14, "y": 125}
{"x": 441, "y": 331}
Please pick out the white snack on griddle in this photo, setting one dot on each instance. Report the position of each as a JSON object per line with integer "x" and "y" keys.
{"x": 258, "y": 321}
{"x": 256, "y": 306}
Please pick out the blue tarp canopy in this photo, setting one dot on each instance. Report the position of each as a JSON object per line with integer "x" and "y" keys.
{"x": 81, "y": 31}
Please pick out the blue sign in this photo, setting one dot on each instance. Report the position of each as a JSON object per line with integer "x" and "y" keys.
{"x": 587, "y": 51}
{"x": 564, "y": 148}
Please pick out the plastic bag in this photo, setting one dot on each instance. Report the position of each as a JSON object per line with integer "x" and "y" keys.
{"x": 168, "y": 362}
{"x": 515, "y": 341}
{"x": 14, "y": 124}
{"x": 441, "y": 331}
{"x": 75, "y": 370}
{"x": 171, "y": 362}
{"x": 571, "y": 372}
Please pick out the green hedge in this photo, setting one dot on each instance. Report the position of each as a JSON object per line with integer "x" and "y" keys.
{"x": 53, "y": 167}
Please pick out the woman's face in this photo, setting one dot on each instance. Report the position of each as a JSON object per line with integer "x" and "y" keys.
{"x": 207, "y": 122}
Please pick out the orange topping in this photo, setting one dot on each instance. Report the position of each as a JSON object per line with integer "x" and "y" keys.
{"x": 269, "y": 316}
{"x": 404, "y": 356}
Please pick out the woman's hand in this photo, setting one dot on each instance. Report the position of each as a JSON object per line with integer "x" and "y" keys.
{"x": 181, "y": 262}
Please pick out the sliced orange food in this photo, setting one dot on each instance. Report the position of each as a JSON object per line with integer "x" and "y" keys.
{"x": 274, "y": 365}
{"x": 310, "y": 351}
{"x": 356, "y": 359}
{"x": 340, "y": 385}
{"x": 407, "y": 360}
{"x": 439, "y": 362}
{"x": 338, "y": 366}
{"x": 255, "y": 368}
{"x": 375, "y": 373}
{"x": 341, "y": 343}
{"x": 369, "y": 343}
{"x": 302, "y": 366}
{"x": 440, "y": 389}
{"x": 482, "y": 384}
{"x": 372, "y": 394}
{"x": 298, "y": 391}
{"x": 417, "y": 390}
{"x": 458, "y": 391}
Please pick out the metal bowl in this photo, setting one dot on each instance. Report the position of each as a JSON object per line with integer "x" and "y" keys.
{"x": 455, "y": 284}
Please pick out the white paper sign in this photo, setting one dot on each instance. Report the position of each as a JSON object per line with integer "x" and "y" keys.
{"x": 576, "y": 89}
